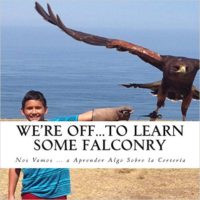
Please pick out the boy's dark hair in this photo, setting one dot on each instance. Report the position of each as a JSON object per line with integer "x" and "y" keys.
{"x": 34, "y": 95}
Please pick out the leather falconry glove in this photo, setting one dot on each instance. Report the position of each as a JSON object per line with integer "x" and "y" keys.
{"x": 112, "y": 114}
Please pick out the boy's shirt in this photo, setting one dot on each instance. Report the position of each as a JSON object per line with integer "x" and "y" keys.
{"x": 48, "y": 182}
{"x": 67, "y": 118}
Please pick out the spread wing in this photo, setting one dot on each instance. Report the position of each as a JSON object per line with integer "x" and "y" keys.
{"x": 145, "y": 54}
{"x": 154, "y": 86}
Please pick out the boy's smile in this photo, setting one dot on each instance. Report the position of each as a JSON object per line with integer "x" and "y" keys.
{"x": 34, "y": 110}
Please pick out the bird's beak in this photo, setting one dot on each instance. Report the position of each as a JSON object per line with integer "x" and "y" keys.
{"x": 182, "y": 69}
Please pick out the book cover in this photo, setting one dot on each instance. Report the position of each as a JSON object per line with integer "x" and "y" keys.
{"x": 86, "y": 55}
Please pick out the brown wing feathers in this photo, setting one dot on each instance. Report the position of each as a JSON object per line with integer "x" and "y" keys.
{"x": 85, "y": 37}
{"x": 145, "y": 54}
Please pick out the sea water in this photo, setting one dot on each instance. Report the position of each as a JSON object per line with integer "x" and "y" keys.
{"x": 76, "y": 77}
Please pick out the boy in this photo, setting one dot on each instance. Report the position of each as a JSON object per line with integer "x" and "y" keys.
{"x": 53, "y": 183}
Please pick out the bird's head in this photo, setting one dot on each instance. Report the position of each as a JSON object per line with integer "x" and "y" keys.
{"x": 178, "y": 70}
{"x": 180, "y": 67}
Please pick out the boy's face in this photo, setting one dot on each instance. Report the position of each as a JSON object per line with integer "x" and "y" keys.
{"x": 34, "y": 110}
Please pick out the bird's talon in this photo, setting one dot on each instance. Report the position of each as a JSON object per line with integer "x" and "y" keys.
{"x": 155, "y": 115}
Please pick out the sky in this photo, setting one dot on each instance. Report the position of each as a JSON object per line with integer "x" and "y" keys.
{"x": 137, "y": 14}
{"x": 128, "y": 16}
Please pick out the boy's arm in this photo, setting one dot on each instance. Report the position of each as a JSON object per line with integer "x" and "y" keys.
{"x": 87, "y": 116}
{"x": 13, "y": 179}
{"x": 107, "y": 114}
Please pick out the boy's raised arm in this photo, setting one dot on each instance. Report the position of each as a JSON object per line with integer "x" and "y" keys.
{"x": 107, "y": 114}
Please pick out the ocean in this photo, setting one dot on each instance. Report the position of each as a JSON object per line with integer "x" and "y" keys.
{"x": 76, "y": 77}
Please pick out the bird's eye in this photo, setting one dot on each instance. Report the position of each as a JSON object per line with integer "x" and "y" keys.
{"x": 176, "y": 68}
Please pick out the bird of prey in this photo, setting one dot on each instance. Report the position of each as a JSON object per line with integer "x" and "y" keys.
{"x": 178, "y": 72}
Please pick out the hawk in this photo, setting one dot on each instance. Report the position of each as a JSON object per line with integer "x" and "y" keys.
{"x": 178, "y": 72}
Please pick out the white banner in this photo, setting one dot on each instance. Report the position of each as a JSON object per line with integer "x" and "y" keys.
{"x": 100, "y": 144}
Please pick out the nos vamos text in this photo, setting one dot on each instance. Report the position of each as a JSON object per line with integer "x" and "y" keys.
{"x": 58, "y": 137}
